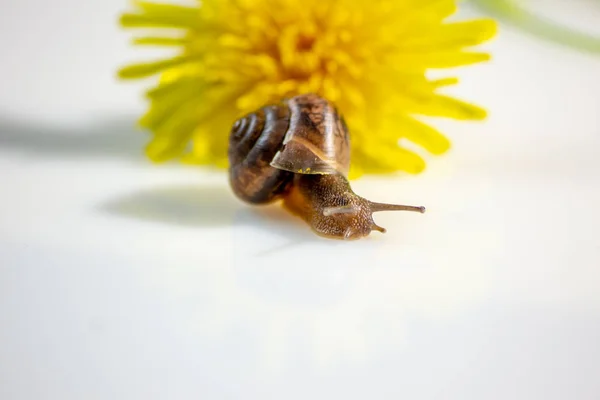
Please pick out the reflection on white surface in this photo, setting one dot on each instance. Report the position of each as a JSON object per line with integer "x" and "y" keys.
{"x": 290, "y": 282}
{"x": 489, "y": 297}
{"x": 122, "y": 280}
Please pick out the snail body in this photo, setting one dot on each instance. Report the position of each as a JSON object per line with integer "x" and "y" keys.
{"x": 298, "y": 151}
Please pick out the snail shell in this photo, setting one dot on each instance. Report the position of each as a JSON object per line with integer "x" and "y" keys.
{"x": 299, "y": 150}
{"x": 301, "y": 135}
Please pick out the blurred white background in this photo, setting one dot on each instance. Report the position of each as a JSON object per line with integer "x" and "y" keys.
{"x": 124, "y": 280}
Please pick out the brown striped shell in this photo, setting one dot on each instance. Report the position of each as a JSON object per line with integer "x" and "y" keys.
{"x": 301, "y": 135}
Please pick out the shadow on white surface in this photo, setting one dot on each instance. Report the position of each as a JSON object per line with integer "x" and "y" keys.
{"x": 195, "y": 206}
{"x": 210, "y": 206}
{"x": 107, "y": 138}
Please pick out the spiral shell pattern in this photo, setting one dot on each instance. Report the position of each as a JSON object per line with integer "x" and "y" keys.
{"x": 254, "y": 141}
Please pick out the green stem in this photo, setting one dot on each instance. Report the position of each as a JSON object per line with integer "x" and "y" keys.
{"x": 511, "y": 12}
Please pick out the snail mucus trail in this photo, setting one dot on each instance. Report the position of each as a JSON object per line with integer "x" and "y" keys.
{"x": 298, "y": 151}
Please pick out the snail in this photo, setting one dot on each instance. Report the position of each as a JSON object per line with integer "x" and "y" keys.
{"x": 298, "y": 151}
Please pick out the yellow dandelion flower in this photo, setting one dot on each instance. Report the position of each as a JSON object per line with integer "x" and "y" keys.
{"x": 368, "y": 57}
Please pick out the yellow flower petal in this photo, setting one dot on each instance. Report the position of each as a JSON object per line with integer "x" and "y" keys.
{"x": 442, "y": 58}
{"x": 423, "y": 135}
{"x": 444, "y": 106}
{"x": 455, "y": 35}
{"x": 143, "y": 70}
{"x": 388, "y": 159}
{"x": 160, "y": 15}
{"x": 159, "y": 41}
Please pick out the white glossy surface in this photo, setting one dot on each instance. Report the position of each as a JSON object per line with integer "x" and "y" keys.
{"x": 123, "y": 280}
